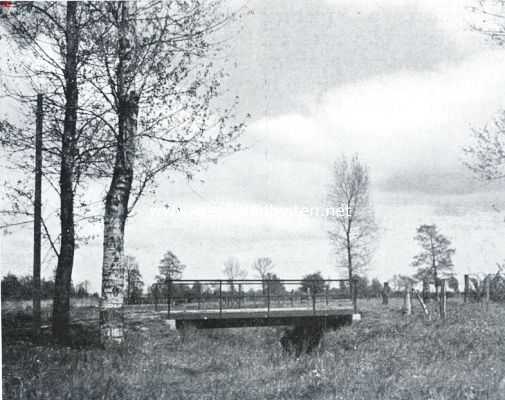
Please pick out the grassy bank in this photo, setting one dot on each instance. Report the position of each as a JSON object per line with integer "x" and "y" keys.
{"x": 386, "y": 356}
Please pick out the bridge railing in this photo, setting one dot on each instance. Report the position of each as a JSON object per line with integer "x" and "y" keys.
{"x": 229, "y": 294}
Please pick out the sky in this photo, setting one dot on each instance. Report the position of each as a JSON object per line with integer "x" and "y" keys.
{"x": 400, "y": 82}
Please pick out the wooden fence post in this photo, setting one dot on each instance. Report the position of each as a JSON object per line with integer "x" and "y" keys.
{"x": 443, "y": 301}
{"x": 385, "y": 294}
{"x": 487, "y": 286}
{"x": 220, "y": 297}
{"x": 155, "y": 295}
{"x": 239, "y": 295}
{"x": 421, "y": 302}
{"x": 313, "y": 298}
{"x": 467, "y": 288}
{"x": 268, "y": 298}
{"x": 407, "y": 305}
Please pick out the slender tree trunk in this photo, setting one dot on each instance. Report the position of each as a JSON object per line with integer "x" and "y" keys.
{"x": 434, "y": 267}
{"x": 63, "y": 277}
{"x": 349, "y": 257}
{"x": 116, "y": 204}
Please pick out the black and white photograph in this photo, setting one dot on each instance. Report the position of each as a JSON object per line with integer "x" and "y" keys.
{"x": 252, "y": 199}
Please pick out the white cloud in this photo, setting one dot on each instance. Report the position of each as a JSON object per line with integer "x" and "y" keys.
{"x": 403, "y": 121}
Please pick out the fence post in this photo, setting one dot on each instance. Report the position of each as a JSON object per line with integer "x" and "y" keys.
{"x": 467, "y": 288}
{"x": 220, "y": 297}
{"x": 442, "y": 299}
{"x": 385, "y": 294}
{"x": 313, "y": 297}
{"x": 354, "y": 290}
{"x": 326, "y": 294}
{"x": 268, "y": 297}
{"x": 239, "y": 294}
{"x": 407, "y": 305}
{"x": 487, "y": 286}
{"x": 421, "y": 302}
{"x": 155, "y": 295}
{"x": 200, "y": 295}
{"x": 169, "y": 296}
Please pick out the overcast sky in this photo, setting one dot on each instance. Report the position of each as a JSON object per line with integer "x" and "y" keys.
{"x": 400, "y": 82}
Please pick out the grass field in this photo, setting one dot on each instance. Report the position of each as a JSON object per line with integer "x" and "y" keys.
{"x": 386, "y": 356}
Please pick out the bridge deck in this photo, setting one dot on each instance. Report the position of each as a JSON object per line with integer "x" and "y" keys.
{"x": 244, "y": 317}
{"x": 341, "y": 309}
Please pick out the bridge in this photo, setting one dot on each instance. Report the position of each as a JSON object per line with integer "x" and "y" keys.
{"x": 230, "y": 303}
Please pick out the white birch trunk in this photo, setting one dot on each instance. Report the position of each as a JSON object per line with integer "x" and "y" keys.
{"x": 116, "y": 206}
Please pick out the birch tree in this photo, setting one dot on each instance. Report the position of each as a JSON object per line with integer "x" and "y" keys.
{"x": 352, "y": 222}
{"x": 157, "y": 75}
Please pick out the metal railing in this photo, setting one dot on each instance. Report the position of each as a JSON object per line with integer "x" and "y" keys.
{"x": 228, "y": 294}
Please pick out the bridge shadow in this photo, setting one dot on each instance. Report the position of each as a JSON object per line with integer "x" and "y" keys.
{"x": 304, "y": 338}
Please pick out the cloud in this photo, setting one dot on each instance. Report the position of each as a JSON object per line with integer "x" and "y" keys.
{"x": 292, "y": 49}
{"x": 406, "y": 124}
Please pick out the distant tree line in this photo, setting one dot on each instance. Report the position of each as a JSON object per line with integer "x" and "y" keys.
{"x": 20, "y": 288}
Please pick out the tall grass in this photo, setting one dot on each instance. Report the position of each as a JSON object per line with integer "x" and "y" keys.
{"x": 386, "y": 356}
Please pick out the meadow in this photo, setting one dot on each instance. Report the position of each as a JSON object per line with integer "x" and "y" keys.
{"x": 385, "y": 356}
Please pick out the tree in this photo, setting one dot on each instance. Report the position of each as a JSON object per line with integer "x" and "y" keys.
{"x": 274, "y": 284}
{"x": 197, "y": 290}
{"x": 352, "y": 222}
{"x": 375, "y": 288}
{"x": 263, "y": 265}
{"x": 233, "y": 271}
{"x": 404, "y": 281}
{"x": 435, "y": 259}
{"x": 11, "y": 287}
{"x": 160, "y": 82}
{"x": 313, "y": 283}
{"x": 486, "y": 155}
{"x": 81, "y": 289}
{"x": 170, "y": 267}
{"x": 362, "y": 286}
{"x": 134, "y": 282}
{"x": 453, "y": 284}
{"x": 52, "y": 33}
